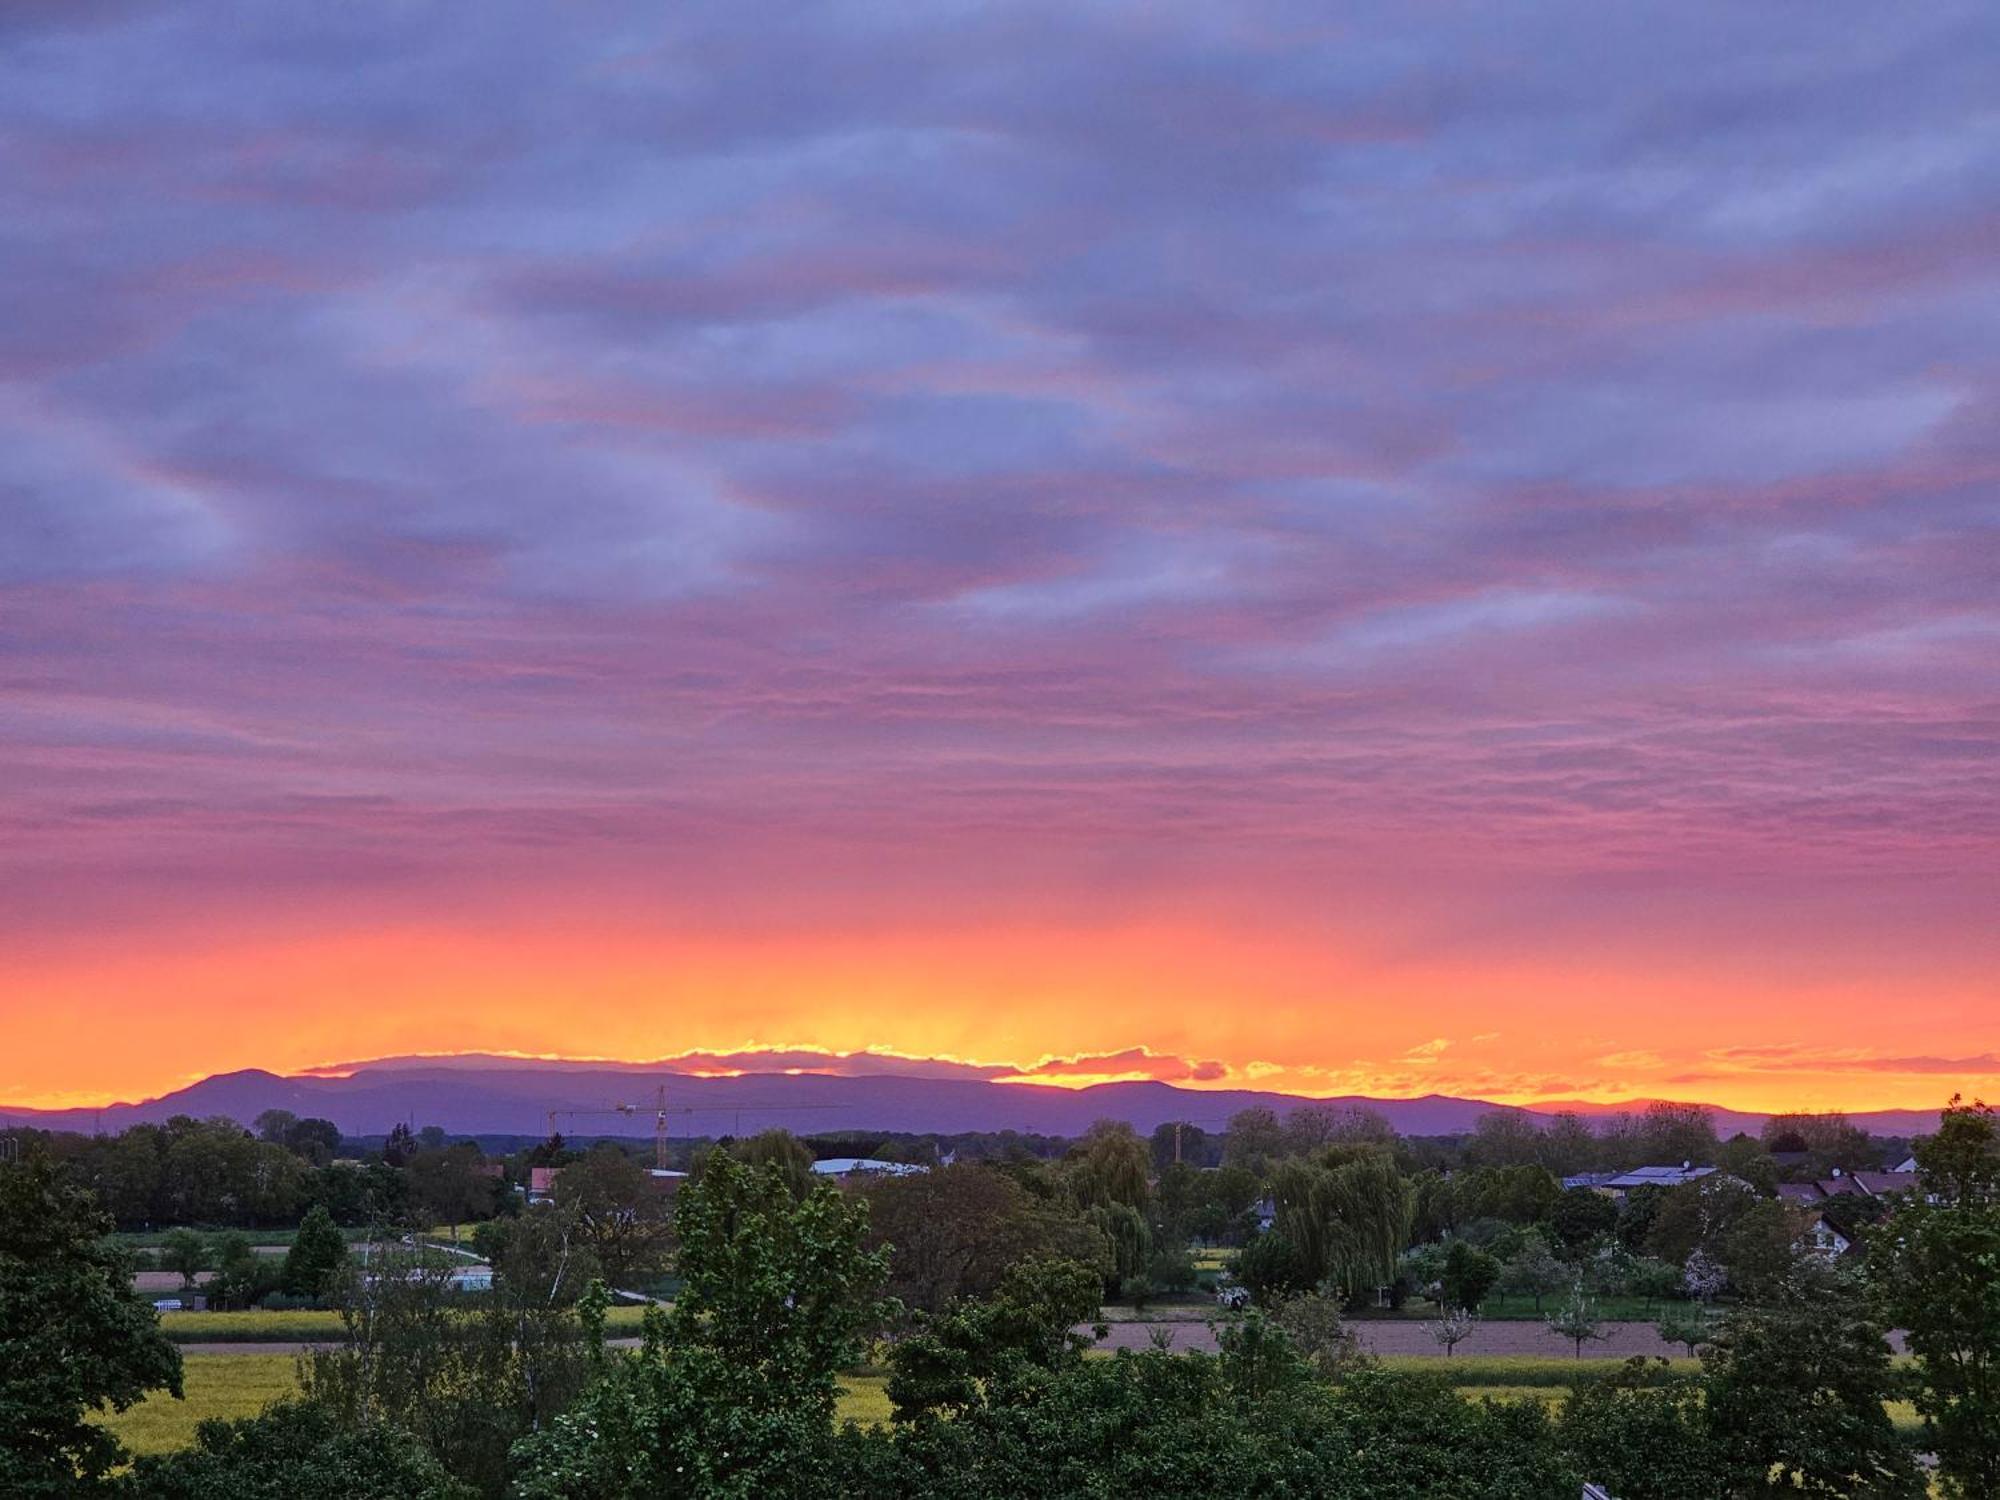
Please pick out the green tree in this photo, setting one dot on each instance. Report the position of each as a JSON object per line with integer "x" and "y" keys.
{"x": 732, "y": 1395}
{"x": 955, "y": 1231}
{"x": 1688, "y": 1324}
{"x": 295, "y": 1451}
{"x": 1533, "y": 1271}
{"x": 1580, "y": 1219}
{"x": 446, "y": 1185}
{"x": 1272, "y": 1268}
{"x": 1125, "y": 1230}
{"x": 1762, "y": 1245}
{"x": 1315, "y": 1325}
{"x": 466, "y": 1382}
{"x": 1254, "y": 1139}
{"x": 1467, "y": 1276}
{"x": 1936, "y": 1268}
{"x": 951, "y": 1361}
{"x": 1347, "y": 1223}
{"x": 1111, "y": 1166}
{"x": 619, "y": 1215}
{"x": 74, "y": 1337}
{"x": 1641, "y": 1435}
{"x": 782, "y": 1150}
{"x": 184, "y": 1251}
{"x": 317, "y": 1255}
{"x": 1795, "y": 1389}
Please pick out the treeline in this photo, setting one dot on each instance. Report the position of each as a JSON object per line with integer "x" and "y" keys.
{"x": 785, "y": 1286}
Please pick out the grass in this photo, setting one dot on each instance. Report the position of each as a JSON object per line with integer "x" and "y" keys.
{"x": 1517, "y": 1309}
{"x": 256, "y": 1326}
{"x": 231, "y": 1386}
{"x": 217, "y": 1385}
{"x": 1515, "y": 1371}
{"x": 864, "y": 1398}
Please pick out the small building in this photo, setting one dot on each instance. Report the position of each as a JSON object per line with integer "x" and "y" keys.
{"x": 1596, "y": 1182}
{"x": 1885, "y": 1184}
{"x": 1664, "y": 1177}
{"x": 840, "y": 1167}
{"x": 472, "y": 1279}
{"x": 542, "y": 1183}
{"x": 1822, "y": 1239}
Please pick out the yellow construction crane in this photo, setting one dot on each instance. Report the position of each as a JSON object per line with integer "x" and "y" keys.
{"x": 628, "y": 1111}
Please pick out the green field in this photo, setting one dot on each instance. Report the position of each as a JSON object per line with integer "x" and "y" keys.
{"x": 217, "y": 1385}
{"x": 241, "y": 1385}
{"x": 255, "y": 1326}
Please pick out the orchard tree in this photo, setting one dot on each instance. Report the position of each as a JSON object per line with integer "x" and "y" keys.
{"x": 1577, "y": 1320}
{"x": 1452, "y": 1327}
{"x": 1533, "y": 1271}
{"x": 1688, "y": 1324}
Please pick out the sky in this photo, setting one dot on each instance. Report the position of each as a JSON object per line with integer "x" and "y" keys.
{"x": 1390, "y": 549}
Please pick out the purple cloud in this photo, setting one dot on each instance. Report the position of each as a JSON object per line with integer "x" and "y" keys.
{"x": 979, "y": 460}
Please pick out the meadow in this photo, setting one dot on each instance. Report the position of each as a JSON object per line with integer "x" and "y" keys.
{"x": 241, "y": 1385}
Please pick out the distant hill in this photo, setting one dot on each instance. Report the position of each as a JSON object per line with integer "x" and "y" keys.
{"x": 511, "y": 1096}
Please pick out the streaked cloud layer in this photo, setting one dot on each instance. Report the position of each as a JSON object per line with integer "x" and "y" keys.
{"x": 1236, "y": 543}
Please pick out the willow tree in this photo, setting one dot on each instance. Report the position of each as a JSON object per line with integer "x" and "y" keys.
{"x": 1349, "y": 1223}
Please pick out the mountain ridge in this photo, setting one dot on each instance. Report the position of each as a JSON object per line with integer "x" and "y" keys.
{"x": 500, "y": 1095}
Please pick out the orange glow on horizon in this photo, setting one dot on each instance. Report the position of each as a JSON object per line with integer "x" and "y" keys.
{"x": 1209, "y": 1009}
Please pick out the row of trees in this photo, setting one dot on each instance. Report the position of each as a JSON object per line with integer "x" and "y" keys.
{"x": 733, "y": 1393}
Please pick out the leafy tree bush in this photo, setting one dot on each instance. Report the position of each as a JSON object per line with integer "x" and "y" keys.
{"x": 1272, "y": 1268}
{"x": 1579, "y": 1219}
{"x": 1533, "y": 1271}
{"x": 1468, "y": 1275}
{"x": 1641, "y": 1435}
{"x": 186, "y": 1252}
{"x": 1936, "y": 1268}
{"x": 317, "y": 1256}
{"x": 74, "y": 1337}
{"x": 733, "y": 1394}
{"x": 294, "y": 1451}
{"x": 956, "y": 1231}
{"x": 1794, "y": 1391}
